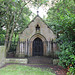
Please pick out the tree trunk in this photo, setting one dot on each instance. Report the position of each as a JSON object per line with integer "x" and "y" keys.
{"x": 7, "y": 37}
{"x": 11, "y": 35}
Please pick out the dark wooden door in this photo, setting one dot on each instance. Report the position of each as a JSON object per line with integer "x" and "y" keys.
{"x": 37, "y": 47}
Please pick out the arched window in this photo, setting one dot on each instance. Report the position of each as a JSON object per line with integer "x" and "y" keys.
{"x": 37, "y": 29}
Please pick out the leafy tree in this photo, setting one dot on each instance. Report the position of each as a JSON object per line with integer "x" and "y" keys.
{"x": 14, "y": 17}
{"x": 39, "y": 3}
{"x": 61, "y": 18}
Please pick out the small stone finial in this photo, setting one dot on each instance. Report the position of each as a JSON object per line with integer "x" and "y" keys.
{"x": 37, "y": 12}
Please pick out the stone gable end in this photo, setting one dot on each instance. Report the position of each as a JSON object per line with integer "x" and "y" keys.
{"x": 31, "y": 30}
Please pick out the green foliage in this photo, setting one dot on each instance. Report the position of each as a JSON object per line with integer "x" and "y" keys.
{"x": 61, "y": 18}
{"x": 2, "y": 35}
{"x": 10, "y": 10}
{"x": 71, "y": 71}
{"x": 14, "y": 17}
{"x": 66, "y": 54}
{"x": 38, "y": 3}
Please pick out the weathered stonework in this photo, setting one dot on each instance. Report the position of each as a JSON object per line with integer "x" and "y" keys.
{"x": 55, "y": 61}
{"x": 44, "y": 30}
{"x": 29, "y": 34}
{"x": 15, "y": 60}
{"x": 2, "y": 55}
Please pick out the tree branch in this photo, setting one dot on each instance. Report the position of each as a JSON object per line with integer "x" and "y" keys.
{"x": 23, "y": 7}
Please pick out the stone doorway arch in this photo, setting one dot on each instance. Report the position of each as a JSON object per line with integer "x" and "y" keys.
{"x": 43, "y": 40}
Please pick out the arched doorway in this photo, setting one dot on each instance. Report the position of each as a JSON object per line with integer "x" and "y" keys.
{"x": 33, "y": 38}
{"x": 37, "y": 47}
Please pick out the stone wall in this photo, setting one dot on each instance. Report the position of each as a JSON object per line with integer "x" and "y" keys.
{"x": 2, "y": 55}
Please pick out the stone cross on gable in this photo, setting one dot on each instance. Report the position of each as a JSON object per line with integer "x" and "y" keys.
{"x": 37, "y": 12}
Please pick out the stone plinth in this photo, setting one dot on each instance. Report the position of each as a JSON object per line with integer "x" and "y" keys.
{"x": 17, "y": 60}
{"x": 55, "y": 61}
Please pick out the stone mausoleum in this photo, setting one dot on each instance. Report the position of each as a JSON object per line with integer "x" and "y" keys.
{"x": 36, "y": 40}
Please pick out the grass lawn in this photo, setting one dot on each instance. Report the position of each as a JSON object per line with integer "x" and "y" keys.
{"x": 16, "y": 69}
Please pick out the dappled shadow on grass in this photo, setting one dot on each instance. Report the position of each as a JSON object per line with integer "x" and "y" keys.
{"x": 58, "y": 70}
{"x": 16, "y": 69}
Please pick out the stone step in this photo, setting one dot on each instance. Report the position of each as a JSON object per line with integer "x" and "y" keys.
{"x": 40, "y": 60}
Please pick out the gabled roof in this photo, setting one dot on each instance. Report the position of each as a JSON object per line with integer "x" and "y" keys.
{"x": 33, "y": 20}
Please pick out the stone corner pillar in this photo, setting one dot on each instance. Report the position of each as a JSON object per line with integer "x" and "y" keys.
{"x": 21, "y": 51}
{"x": 2, "y": 56}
